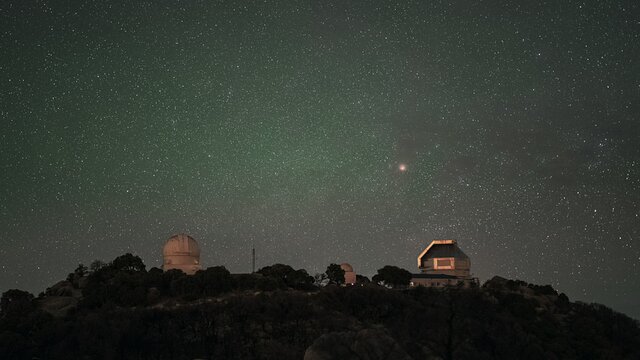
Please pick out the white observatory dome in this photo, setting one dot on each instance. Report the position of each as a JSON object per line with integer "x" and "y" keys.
{"x": 181, "y": 252}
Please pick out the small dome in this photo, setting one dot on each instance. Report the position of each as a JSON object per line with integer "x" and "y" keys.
{"x": 181, "y": 244}
{"x": 181, "y": 252}
{"x": 346, "y": 267}
{"x": 349, "y": 274}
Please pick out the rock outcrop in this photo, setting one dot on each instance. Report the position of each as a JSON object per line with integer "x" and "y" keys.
{"x": 367, "y": 344}
{"x": 58, "y": 306}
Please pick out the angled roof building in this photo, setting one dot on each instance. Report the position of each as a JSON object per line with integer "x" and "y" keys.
{"x": 443, "y": 263}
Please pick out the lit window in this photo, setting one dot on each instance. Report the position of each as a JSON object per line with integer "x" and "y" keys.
{"x": 443, "y": 264}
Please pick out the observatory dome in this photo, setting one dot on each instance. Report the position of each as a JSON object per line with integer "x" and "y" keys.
{"x": 181, "y": 252}
{"x": 349, "y": 274}
{"x": 346, "y": 267}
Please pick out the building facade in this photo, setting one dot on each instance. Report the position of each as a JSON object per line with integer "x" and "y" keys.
{"x": 443, "y": 264}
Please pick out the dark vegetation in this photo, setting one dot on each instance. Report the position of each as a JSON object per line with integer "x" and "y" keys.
{"x": 126, "y": 312}
{"x": 392, "y": 276}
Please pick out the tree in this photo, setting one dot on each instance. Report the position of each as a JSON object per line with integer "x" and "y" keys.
{"x": 335, "y": 274}
{"x": 280, "y": 271}
{"x": 296, "y": 279}
{"x": 128, "y": 262}
{"x": 392, "y": 276}
{"x": 301, "y": 280}
{"x": 79, "y": 272}
{"x": 16, "y": 302}
{"x": 214, "y": 280}
{"x": 362, "y": 280}
{"x": 122, "y": 282}
{"x": 320, "y": 279}
{"x": 96, "y": 265}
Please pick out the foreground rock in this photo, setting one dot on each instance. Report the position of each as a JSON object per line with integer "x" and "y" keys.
{"x": 368, "y": 344}
{"x": 58, "y": 306}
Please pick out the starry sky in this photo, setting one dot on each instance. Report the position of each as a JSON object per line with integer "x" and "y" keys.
{"x": 324, "y": 131}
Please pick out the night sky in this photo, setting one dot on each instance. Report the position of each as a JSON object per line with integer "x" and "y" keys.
{"x": 324, "y": 131}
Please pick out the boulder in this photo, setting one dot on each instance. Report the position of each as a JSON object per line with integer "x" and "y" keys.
{"x": 62, "y": 288}
{"x": 58, "y": 306}
{"x": 82, "y": 282}
{"x": 367, "y": 344}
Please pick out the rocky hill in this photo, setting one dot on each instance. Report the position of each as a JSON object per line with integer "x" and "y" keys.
{"x": 123, "y": 311}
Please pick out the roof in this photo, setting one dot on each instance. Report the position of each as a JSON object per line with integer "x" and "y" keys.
{"x": 181, "y": 245}
{"x": 346, "y": 267}
{"x": 442, "y": 249}
{"x": 446, "y": 251}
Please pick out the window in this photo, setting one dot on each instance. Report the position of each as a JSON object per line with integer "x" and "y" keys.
{"x": 443, "y": 264}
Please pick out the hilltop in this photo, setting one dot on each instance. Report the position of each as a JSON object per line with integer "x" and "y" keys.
{"x": 122, "y": 311}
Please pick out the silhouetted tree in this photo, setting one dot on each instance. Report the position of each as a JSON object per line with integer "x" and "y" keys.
{"x": 320, "y": 279}
{"x": 392, "y": 276}
{"x": 278, "y": 271}
{"x": 300, "y": 280}
{"x": 122, "y": 282}
{"x": 78, "y": 273}
{"x": 81, "y": 270}
{"x": 128, "y": 262}
{"x": 361, "y": 279}
{"x": 16, "y": 303}
{"x": 214, "y": 280}
{"x": 96, "y": 265}
{"x": 296, "y": 279}
{"x": 335, "y": 274}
